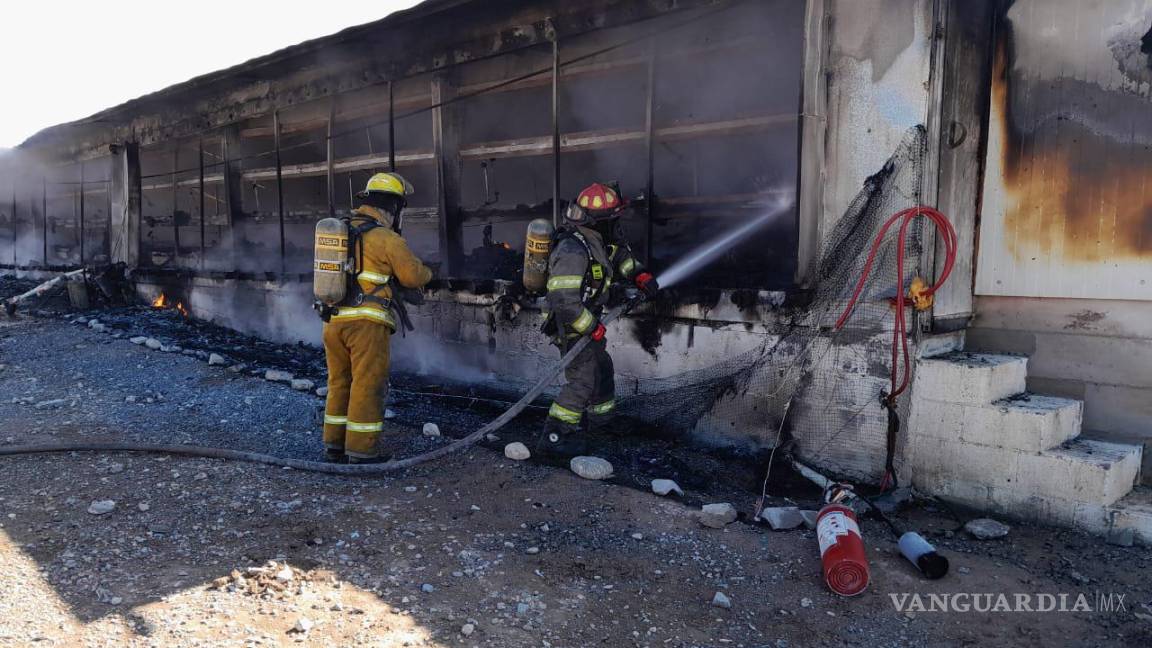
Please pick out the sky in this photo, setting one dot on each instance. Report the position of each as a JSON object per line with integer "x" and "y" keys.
{"x": 65, "y": 60}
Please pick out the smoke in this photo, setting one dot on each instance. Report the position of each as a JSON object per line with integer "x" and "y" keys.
{"x": 425, "y": 355}
{"x": 22, "y": 232}
{"x": 712, "y": 250}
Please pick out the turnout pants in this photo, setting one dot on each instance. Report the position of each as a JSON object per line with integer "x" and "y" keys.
{"x": 357, "y": 355}
{"x": 589, "y": 396}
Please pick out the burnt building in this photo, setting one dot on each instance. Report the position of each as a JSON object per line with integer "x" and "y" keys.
{"x": 1024, "y": 122}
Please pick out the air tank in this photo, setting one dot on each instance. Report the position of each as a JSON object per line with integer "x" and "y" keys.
{"x": 330, "y": 262}
{"x": 537, "y": 247}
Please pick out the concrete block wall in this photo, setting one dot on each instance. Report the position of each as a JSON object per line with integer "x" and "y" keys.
{"x": 977, "y": 437}
{"x": 458, "y": 339}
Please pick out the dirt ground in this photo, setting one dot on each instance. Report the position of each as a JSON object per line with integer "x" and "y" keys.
{"x": 475, "y": 550}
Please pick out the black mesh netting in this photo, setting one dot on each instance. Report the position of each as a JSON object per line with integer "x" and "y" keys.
{"x": 805, "y": 381}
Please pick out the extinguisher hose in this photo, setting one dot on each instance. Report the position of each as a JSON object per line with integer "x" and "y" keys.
{"x": 320, "y": 466}
{"x": 901, "y": 358}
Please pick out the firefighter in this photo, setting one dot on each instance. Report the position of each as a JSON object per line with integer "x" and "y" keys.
{"x": 356, "y": 334}
{"x": 588, "y": 256}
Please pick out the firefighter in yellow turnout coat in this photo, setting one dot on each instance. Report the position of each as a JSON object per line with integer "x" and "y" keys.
{"x": 356, "y": 336}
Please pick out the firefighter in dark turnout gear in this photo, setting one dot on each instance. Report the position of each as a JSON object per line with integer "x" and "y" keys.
{"x": 589, "y": 256}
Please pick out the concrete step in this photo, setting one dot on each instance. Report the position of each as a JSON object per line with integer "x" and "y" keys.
{"x": 1027, "y": 422}
{"x": 1081, "y": 470}
{"x": 1126, "y": 437}
{"x": 970, "y": 378}
{"x": 1133, "y": 511}
{"x": 1070, "y": 485}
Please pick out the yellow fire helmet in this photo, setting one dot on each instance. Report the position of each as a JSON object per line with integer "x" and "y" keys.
{"x": 389, "y": 183}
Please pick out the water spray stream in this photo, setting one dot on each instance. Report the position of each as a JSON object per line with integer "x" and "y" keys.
{"x": 709, "y": 252}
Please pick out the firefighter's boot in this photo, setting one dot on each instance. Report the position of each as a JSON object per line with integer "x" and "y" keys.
{"x": 335, "y": 455}
{"x": 560, "y": 441}
{"x": 383, "y": 457}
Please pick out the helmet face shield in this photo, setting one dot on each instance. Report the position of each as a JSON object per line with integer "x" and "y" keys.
{"x": 577, "y": 215}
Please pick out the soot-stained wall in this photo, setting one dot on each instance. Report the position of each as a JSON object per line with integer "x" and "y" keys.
{"x": 722, "y": 133}
{"x": 1065, "y": 255}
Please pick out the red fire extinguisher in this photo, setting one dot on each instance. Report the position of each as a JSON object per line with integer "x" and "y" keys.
{"x": 841, "y": 550}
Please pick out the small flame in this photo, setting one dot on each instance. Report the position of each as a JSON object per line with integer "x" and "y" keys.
{"x": 162, "y": 302}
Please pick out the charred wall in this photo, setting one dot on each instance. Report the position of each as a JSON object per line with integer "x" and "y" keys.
{"x": 693, "y": 106}
{"x": 1066, "y": 209}
{"x": 1066, "y": 229}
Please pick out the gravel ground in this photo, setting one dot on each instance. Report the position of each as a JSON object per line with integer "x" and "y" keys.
{"x": 475, "y": 550}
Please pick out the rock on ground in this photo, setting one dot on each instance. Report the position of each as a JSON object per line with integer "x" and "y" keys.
{"x": 782, "y": 518}
{"x": 717, "y": 516}
{"x": 431, "y": 429}
{"x": 517, "y": 451}
{"x": 591, "y": 467}
{"x": 666, "y": 486}
{"x": 215, "y": 360}
{"x": 303, "y": 384}
{"x": 153, "y": 343}
{"x": 986, "y": 529}
{"x": 100, "y": 507}
{"x": 276, "y": 375}
{"x": 721, "y": 600}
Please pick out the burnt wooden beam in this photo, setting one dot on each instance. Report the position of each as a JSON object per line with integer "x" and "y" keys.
{"x": 344, "y": 115}
{"x": 233, "y": 194}
{"x": 590, "y": 140}
{"x": 446, "y": 143}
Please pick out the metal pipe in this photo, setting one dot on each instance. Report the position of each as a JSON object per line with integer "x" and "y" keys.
{"x": 331, "y": 160}
{"x": 81, "y": 212}
{"x": 650, "y": 143}
{"x": 203, "y": 250}
{"x": 175, "y": 208}
{"x": 556, "y": 131}
{"x": 280, "y": 186}
{"x": 44, "y": 218}
{"x": 14, "y": 224}
{"x": 391, "y": 129}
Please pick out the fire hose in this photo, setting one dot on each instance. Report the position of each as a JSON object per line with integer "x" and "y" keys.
{"x": 921, "y": 297}
{"x": 323, "y": 467}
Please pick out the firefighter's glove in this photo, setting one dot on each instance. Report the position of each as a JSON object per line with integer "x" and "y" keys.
{"x": 413, "y": 296}
{"x": 598, "y": 333}
{"x": 647, "y": 284}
